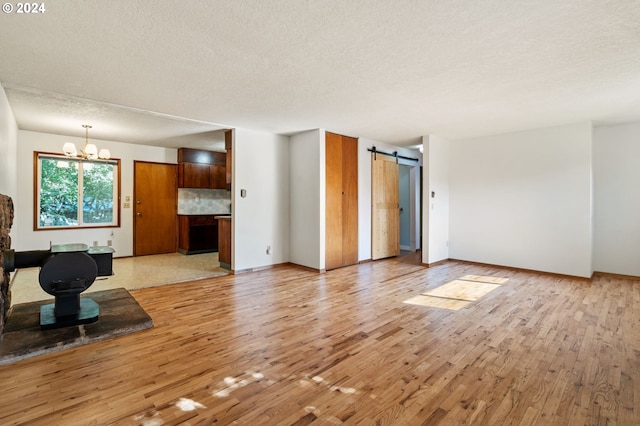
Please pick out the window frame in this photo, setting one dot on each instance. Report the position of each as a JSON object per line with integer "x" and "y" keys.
{"x": 37, "y": 156}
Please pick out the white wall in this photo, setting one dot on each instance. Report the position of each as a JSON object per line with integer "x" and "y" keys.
{"x": 364, "y": 189}
{"x": 306, "y": 197}
{"x": 261, "y": 219}
{"x": 8, "y": 153}
{"x": 435, "y": 209}
{"x": 122, "y": 237}
{"x": 524, "y": 200}
{"x": 616, "y": 172}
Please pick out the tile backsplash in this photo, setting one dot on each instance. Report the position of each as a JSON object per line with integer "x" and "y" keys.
{"x": 204, "y": 201}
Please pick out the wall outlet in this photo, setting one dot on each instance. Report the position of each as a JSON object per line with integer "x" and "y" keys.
{"x": 268, "y": 249}
{"x": 126, "y": 205}
{"x": 109, "y": 243}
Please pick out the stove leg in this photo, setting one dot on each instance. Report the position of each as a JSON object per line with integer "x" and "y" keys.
{"x": 88, "y": 313}
{"x": 67, "y": 305}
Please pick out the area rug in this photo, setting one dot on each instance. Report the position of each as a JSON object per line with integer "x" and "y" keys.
{"x": 119, "y": 314}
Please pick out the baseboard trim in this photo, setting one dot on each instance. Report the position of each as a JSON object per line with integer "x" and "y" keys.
{"x": 531, "y": 271}
{"x": 438, "y": 263}
{"x": 258, "y": 268}
{"x": 306, "y": 268}
{"x": 597, "y": 274}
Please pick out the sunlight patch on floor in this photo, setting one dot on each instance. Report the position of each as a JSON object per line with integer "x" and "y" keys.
{"x": 462, "y": 290}
{"x": 459, "y": 293}
{"x": 186, "y": 404}
{"x": 232, "y": 383}
{"x": 437, "y": 302}
{"x": 484, "y": 279}
{"x": 319, "y": 380}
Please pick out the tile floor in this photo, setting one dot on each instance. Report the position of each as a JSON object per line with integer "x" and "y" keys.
{"x": 129, "y": 272}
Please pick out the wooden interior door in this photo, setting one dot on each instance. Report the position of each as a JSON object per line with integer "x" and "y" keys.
{"x": 341, "y": 224}
{"x": 349, "y": 200}
{"x": 385, "y": 213}
{"x": 333, "y": 206}
{"x": 155, "y": 208}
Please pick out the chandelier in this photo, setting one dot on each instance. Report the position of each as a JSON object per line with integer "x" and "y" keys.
{"x": 90, "y": 151}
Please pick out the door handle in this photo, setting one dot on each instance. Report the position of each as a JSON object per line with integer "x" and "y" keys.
{"x": 139, "y": 214}
{"x": 139, "y": 202}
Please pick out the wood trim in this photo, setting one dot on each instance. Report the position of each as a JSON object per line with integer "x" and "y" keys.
{"x": 438, "y": 263}
{"x": 305, "y": 268}
{"x": 533, "y": 271}
{"x": 259, "y": 268}
{"x": 597, "y": 274}
{"x": 36, "y": 193}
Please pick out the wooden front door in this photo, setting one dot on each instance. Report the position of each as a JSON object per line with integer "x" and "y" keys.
{"x": 155, "y": 206}
{"x": 385, "y": 213}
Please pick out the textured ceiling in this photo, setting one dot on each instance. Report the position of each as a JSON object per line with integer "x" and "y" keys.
{"x": 160, "y": 71}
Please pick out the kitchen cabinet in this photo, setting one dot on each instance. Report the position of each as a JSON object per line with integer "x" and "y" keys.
{"x": 217, "y": 176}
{"x": 197, "y": 234}
{"x": 224, "y": 241}
{"x": 201, "y": 169}
{"x": 228, "y": 138}
{"x": 341, "y": 226}
{"x": 193, "y": 175}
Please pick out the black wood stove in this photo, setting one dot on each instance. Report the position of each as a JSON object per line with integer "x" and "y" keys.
{"x": 66, "y": 270}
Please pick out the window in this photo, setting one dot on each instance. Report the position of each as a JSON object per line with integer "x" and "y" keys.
{"x": 76, "y": 193}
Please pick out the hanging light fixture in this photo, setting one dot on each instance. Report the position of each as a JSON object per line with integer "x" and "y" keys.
{"x": 90, "y": 151}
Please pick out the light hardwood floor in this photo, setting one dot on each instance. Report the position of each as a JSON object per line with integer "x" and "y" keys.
{"x": 287, "y": 346}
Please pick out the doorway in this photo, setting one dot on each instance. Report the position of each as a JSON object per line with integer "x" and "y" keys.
{"x": 395, "y": 201}
{"x": 409, "y": 198}
{"x": 155, "y": 208}
{"x": 404, "y": 198}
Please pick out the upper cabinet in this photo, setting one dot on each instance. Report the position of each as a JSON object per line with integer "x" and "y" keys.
{"x": 193, "y": 175}
{"x": 227, "y": 146}
{"x": 201, "y": 169}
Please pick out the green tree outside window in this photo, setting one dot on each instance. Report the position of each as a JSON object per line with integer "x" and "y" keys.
{"x": 64, "y": 182}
